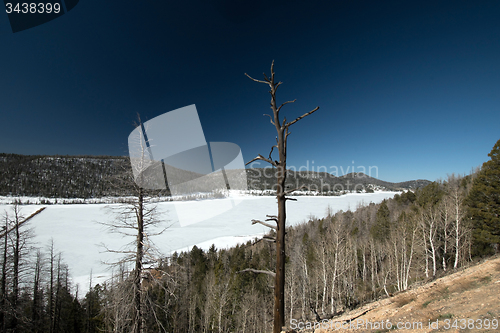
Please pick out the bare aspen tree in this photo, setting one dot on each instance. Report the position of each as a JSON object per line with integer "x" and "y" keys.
{"x": 321, "y": 252}
{"x": 456, "y": 194}
{"x": 446, "y": 223}
{"x": 429, "y": 220}
{"x": 282, "y": 129}
{"x": 340, "y": 261}
{"x": 423, "y": 229}
{"x": 291, "y": 279}
{"x": 373, "y": 265}
{"x": 335, "y": 238}
{"x": 432, "y": 220}
{"x": 403, "y": 242}
{"x": 304, "y": 287}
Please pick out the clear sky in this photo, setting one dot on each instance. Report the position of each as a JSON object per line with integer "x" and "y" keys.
{"x": 409, "y": 87}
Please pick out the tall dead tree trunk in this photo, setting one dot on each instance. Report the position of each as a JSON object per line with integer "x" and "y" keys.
{"x": 282, "y": 129}
{"x": 136, "y": 218}
{"x": 37, "y": 301}
{"x": 15, "y": 279}
{"x": 4, "y": 278}
{"x": 138, "y": 264}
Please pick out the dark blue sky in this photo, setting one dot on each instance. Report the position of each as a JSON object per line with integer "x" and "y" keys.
{"x": 412, "y": 88}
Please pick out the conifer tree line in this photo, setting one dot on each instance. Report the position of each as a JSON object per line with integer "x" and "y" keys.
{"x": 85, "y": 177}
{"x": 59, "y": 176}
{"x": 333, "y": 264}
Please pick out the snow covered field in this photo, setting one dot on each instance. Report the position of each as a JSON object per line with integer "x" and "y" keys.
{"x": 77, "y": 233}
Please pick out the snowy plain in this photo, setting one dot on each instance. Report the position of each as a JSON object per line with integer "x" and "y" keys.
{"x": 78, "y": 233}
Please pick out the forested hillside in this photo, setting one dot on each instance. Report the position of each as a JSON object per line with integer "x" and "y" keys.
{"x": 60, "y": 176}
{"x": 88, "y": 177}
{"x": 334, "y": 263}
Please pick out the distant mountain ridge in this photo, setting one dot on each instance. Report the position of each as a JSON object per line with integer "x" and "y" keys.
{"x": 326, "y": 182}
{"x": 85, "y": 177}
{"x": 409, "y": 184}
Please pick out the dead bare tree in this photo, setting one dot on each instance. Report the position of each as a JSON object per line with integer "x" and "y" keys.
{"x": 18, "y": 235}
{"x": 137, "y": 219}
{"x": 282, "y": 129}
{"x": 3, "y": 299}
{"x": 456, "y": 194}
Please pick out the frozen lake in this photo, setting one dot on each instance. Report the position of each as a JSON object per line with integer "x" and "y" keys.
{"x": 77, "y": 232}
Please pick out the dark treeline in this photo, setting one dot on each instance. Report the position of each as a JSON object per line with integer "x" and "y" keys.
{"x": 60, "y": 176}
{"x": 86, "y": 177}
{"x": 333, "y": 264}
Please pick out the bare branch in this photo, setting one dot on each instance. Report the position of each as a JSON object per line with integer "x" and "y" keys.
{"x": 116, "y": 251}
{"x": 257, "y": 271}
{"x": 271, "y": 152}
{"x": 265, "y": 238}
{"x": 251, "y": 78}
{"x": 304, "y": 115}
{"x": 272, "y": 219}
{"x": 25, "y": 220}
{"x": 285, "y": 104}
{"x": 271, "y": 118}
{"x": 291, "y": 199}
{"x": 269, "y": 239}
{"x": 264, "y": 224}
{"x": 262, "y": 158}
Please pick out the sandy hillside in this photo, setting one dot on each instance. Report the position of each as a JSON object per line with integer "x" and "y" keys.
{"x": 466, "y": 301}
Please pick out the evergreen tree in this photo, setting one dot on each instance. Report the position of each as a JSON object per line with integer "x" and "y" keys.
{"x": 382, "y": 227}
{"x": 92, "y": 306}
{"x": 429, "y": 195}
{"x": 484, "y": 205}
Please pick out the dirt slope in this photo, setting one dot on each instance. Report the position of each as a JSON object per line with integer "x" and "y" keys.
{"x": 449, "y": 303}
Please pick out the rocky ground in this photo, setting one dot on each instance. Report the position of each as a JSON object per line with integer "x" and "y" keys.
{"x": 465, "y": 301}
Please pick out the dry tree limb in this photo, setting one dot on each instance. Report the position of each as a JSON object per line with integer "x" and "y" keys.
{"x": 303, "y": 116}
{"x": 272, "y": 218}
{"x": 24, "y": 221}
{"x": 251, "y": 78}
{"x": 264, "y": 224}
{"x": 262, "y": 158}
{"x": 283, "y": 104}
{"x": 270, "y": 118}
{"x": 269, "y": 239}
